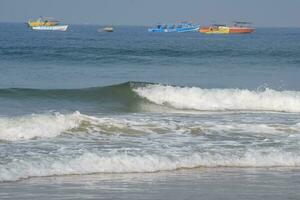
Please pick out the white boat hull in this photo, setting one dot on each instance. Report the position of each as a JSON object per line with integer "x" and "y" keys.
{"x": 51, "y": 28}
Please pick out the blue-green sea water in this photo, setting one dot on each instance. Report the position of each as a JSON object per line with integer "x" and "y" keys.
{"x": 129, "y": 103}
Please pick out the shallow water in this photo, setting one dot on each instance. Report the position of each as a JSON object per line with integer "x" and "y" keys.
{"x": 132, "y": 105}
{"x": 215, "y": 183}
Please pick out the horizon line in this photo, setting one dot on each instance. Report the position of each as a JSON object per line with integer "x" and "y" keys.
{"x": 141, "y": 25}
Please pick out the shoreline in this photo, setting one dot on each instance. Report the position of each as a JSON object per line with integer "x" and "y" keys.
{"x": 207, "y": 183}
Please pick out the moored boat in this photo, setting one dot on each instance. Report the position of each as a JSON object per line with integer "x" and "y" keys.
{"x": 237, "y": 28}
{"x": 47, "y": 24}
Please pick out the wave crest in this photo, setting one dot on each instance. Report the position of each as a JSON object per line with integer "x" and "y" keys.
{"x": 37, "y": 125}
{"x": 221, "y": 99}
{"x": 143, "y": 96}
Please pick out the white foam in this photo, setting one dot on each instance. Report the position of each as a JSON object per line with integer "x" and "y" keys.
{"x": 123, "y": 163}
{"x": 37, "y": 125}
{"x": 221, "y": 99}
{"x": 54, "y": 124}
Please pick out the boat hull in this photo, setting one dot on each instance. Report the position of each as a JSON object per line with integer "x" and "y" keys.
{"x": 240, "y": 30}
{"x": 161, "y": 30}
{"x": 213, "y": 30}
{"x": 51, "y": 28}
{"x": 178, "y": 30}
{"x": 226, "y": 30}
{"x": 108, "y": 29}
{"x": 194, "y": 29}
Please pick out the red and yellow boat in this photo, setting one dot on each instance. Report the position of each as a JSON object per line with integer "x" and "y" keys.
{"x": 238, "y": 28}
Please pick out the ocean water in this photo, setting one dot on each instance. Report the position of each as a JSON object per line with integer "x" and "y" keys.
{"x": 116, "y": 113}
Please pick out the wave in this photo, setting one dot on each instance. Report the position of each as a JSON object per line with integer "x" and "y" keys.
{"x": 221, "y": 99}
{"x": 88, "y": 163}
{"x": 141, "y": 96}
{"x": 54, "y": 124}
{"x": 34, "y": 126}
{"x": 139, "y": 143}
{"x": 119, "y": 97}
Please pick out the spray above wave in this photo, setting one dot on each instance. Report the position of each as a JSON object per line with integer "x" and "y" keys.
{"x": 221, "y": 99}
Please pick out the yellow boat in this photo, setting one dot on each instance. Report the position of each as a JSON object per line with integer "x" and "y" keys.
{"x": 46, "y": 21}
{"x": 215, "y": 29}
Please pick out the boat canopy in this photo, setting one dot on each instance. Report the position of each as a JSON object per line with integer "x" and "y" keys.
{"x": 241, "y": 23}
{"x": 43, "y": 19}
{"x": 218, "y": 25}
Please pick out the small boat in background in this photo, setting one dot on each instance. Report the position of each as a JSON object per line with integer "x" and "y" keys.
{"x": 108, "y": 29}
{"x": 179, "y": 28}
{"x": 46, "y": 24}
{"x": 237, "y": 28}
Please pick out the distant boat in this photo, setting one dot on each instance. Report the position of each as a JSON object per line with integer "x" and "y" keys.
{"x": 179, "y": 28}
{"x": 47, "y": 23}
{"x": 108, "y": 29}
{"x": 238, "y": 28}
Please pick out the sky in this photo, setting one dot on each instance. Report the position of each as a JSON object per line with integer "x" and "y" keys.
{"x": 269, "y": 13}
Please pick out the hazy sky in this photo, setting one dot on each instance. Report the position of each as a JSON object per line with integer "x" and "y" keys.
{"x": 144, "y": 12}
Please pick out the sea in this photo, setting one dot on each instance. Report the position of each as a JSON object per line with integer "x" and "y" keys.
{"x": 137, "y": 115}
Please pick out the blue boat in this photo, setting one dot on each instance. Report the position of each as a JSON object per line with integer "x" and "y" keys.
{"x": 179, "y": 28}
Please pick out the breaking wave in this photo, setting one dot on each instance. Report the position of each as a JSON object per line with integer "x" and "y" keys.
{"x": 37, "y": 125}
{"x": 51, "y": 125}
{"x": 138, "y": 143}
{"x": 221, "y": 99}
{"x": 140, "y": 97}
{"x": 88, "y": 163}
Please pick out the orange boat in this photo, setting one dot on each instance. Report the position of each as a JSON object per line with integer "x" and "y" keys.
{"x": 238, "y": 28}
